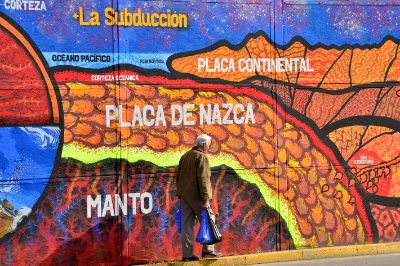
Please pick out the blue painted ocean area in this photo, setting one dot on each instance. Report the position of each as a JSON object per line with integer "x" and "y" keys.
{"x": 27, "y": 158}
{"x": 102, "y": 60}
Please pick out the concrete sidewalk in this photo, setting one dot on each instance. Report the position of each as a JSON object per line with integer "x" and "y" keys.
{"x": 371, "y": 260}
{"x": 296, "y": 255}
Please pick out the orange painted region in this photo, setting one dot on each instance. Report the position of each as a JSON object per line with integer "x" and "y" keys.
{"x": 374, "y": 131}
{"x": 347, "y": 139}
{"x": 386, "y": 146}
{"x": 382, "y": 165}
{"x": 261, "y": 48}
{"x": 395, "y": 186}
{"x": 359, "y": 105}
{"x": 321, "y": 61}
{"x": 374, "y": 180}
{"x": 394, "y": 71}
{"x": 81, "y": 90}
{"x": 323, "y": 107}
{"x": 295, "y": 50}
{"x": 338, "y": 77}
{"x": 190, "y": 64}
{"x": 370, "y": 65}
{"x": 333, "y": 69}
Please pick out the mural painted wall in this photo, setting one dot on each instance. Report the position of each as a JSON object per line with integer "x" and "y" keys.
{"x": 98, "y": 101}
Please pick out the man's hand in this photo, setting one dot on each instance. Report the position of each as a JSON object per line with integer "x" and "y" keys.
{"x": 206, "y": 204}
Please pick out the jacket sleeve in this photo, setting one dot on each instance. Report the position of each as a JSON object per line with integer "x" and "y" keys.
{"x": 203, "y": 178}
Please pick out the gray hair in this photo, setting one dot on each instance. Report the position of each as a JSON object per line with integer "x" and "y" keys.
{"x": 203, "y": 138}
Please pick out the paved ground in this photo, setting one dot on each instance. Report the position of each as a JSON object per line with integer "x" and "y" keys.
{"x": 372, "y": 260}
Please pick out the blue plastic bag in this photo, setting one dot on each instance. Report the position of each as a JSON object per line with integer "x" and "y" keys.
{"x": 205, "y": 236}
{"x": 178, "y": 219}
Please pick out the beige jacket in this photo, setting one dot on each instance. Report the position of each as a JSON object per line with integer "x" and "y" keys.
{"x": 193, "y": 176}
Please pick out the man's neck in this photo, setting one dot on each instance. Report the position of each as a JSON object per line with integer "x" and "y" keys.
{"x": 197, "y": 148}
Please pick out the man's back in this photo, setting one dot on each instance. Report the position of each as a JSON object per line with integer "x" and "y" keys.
{"x": 193, "y": 176}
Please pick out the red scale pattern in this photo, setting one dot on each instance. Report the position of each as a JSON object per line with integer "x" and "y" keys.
{"x": 23, "y": 94}
{"x": 387, "y": 222}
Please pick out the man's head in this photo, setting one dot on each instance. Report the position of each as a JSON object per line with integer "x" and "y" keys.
{"x": 203, "y": 142}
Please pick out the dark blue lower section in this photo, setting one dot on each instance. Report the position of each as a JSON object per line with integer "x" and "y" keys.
{"x": 27, "y": 157}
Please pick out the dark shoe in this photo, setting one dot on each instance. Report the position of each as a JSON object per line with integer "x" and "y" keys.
{"x": 211, "y": 254}
{"x": 192, "y": 258}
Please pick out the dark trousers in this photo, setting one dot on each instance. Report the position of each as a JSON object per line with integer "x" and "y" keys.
{"x": 190, "y": 211}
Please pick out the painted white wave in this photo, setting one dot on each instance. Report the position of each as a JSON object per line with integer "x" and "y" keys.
{"x": 9, "y": 187}
{"x": 23, "y": 212}
{"x": 46, "y": 137}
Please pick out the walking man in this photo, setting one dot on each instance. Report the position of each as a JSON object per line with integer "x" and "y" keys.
{"x": 194, "y": 190}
